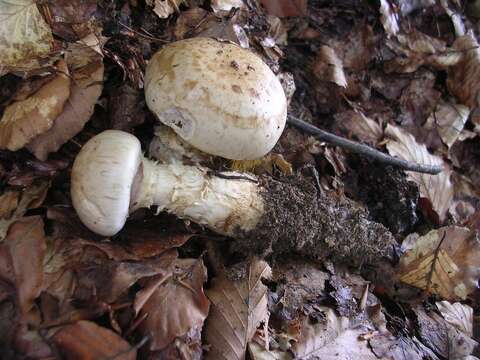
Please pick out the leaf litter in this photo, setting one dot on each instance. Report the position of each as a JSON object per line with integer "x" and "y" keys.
{"x": 400, "y": 76}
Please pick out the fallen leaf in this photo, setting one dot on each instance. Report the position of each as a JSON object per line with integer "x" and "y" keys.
{"x": 185, "y": 347}
{"x": 387, "y": 346}
{"x": 285, "y": 8}
{"x": 173, "y": 302}
{"x": 436, "y": 189}
{"x": 331, "y": 338}
{"x": 463, "y": 80}
{"x": 449, "y": 120}
{"x": 357, "y": 49}
{"x": 360, "y": 126}
{"x": 328, "y": 67}
{"x": 26, "y": 244}
{"x": 415, "y": 49}
{"x": 88, "y": 341}
{"x": 165, "y": 8}
{"x": 87, "y": 85}
{"x": 389, "y": 18}
{"x": 458, "y": 315}
{"x": 442, "y": 262}
{"x": 444, "y": 339}
{"x": 25, "y": 37}
{"x": 238, "y": 308}
{"x": 257, "y": 352}
{"x": 226, "y": 5}
{"x": 8, "y": 203}
{"x": 23, "y": 120}
{"x": 126, "y": 107}
{"x": 70, "y": 19}
{"x": 29, "y": 198}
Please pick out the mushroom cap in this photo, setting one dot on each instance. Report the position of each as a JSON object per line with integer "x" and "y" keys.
{"x": 218, "y": 97}
{"x": 102, "y": 178}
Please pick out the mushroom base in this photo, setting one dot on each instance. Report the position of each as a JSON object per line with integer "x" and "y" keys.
{"x": 300, "y": 219}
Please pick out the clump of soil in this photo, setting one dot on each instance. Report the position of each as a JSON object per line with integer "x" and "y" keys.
{"x": 300, "y": 219}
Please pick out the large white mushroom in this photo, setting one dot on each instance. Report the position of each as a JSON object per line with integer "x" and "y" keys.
{"x": 110, "y": 178}
{"x": 220, "y": 98}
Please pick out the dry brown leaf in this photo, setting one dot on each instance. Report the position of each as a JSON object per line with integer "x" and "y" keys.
{"x": 87, "y": 86}
{"x": 238, "y": 308}
{"x": 389, "y": 18}
{"x": 443, "y": 262}
{"x": 416, "y": 49}
{"x": 25, "y": 37}
{"x": 30, "y": 198}
{"x": 362, "y": 127}
{"x": 23, "y": 120}
{"x": 87, "y": 341}
{"x": 436, "y": 189}
{"x": 226, "y": 5}
{"x": 8, "y": 203}
{"x": 463, "y": 80}
{"x": 285, "y": 8}
{"x": 444, "y": 339}
{"x": 175, "y": 302}
{"x": 26, "y": 244}
{"x": 331, "y": 338}
{"x": 449, "y": 120}
{"x": 328, "y": 67}
{"x": 164, "y": 8}
{"x": 458, "y": 315}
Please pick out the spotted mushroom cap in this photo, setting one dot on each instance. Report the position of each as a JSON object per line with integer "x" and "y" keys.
{"x": 217, "y": 96}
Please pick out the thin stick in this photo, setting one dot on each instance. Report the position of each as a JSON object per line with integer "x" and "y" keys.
{"x": 362, "y": 149}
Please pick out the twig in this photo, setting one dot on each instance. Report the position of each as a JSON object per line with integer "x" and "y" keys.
{"x": 362, "y": 149}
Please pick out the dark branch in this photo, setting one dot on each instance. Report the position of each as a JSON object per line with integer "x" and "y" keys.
{"x": 362, "y": 149}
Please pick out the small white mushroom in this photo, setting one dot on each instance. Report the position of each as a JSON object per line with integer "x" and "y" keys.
{"x": 218, "y": 97}
{"x": 111, "y": 177}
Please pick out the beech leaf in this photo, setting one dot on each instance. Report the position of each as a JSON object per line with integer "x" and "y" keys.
{"x": 442, "y": 262}
{"x": 238, "y": 308}
{"x": 25, "y": 37}
{"x": 436, "y": 189}
{"x": 458, "y": 315}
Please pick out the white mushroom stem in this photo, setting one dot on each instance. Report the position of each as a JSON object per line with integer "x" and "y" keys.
{"x": 222, "y": 204}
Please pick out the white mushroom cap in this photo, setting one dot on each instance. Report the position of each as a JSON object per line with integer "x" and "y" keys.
{"x": 102, "y": 178}
{"x": 220, "y": 98}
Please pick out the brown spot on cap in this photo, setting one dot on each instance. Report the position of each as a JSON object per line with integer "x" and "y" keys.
{"x": 237, "y": 89}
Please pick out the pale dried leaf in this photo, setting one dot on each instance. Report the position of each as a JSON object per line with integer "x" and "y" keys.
{"x": 174, "y": 302}
{"x": 357, "y": 124}
{"x": 238, "y": 308}
{"x": 226, "y": 5}
{"x": 25, "y": 37}
{"x": 258, "y": 352}
{"x": 165, "y": 8}
{"x": 449, "y": 119}
{"x": 87, "y": 86}
{"x": 328, "y": 67}
{"x": 331, "y": 338}
{"x": 30, "y": 198}
{"x": 437, "y": 189}
{"x": 27, "y": 246}
{"x": 464, "y": 78}
{"x": 458, "y": 315}
{"x": 23, "y": 120}
{"x": 389, "y": 18}
{"x": 443, "y": 262}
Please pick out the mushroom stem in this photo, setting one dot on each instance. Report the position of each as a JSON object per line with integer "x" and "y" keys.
{"x": 189, "y": 192}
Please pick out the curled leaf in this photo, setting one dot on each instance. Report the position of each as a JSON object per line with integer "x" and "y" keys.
{"x": 329, "y": 67}
{"x": 23, "y": 120}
